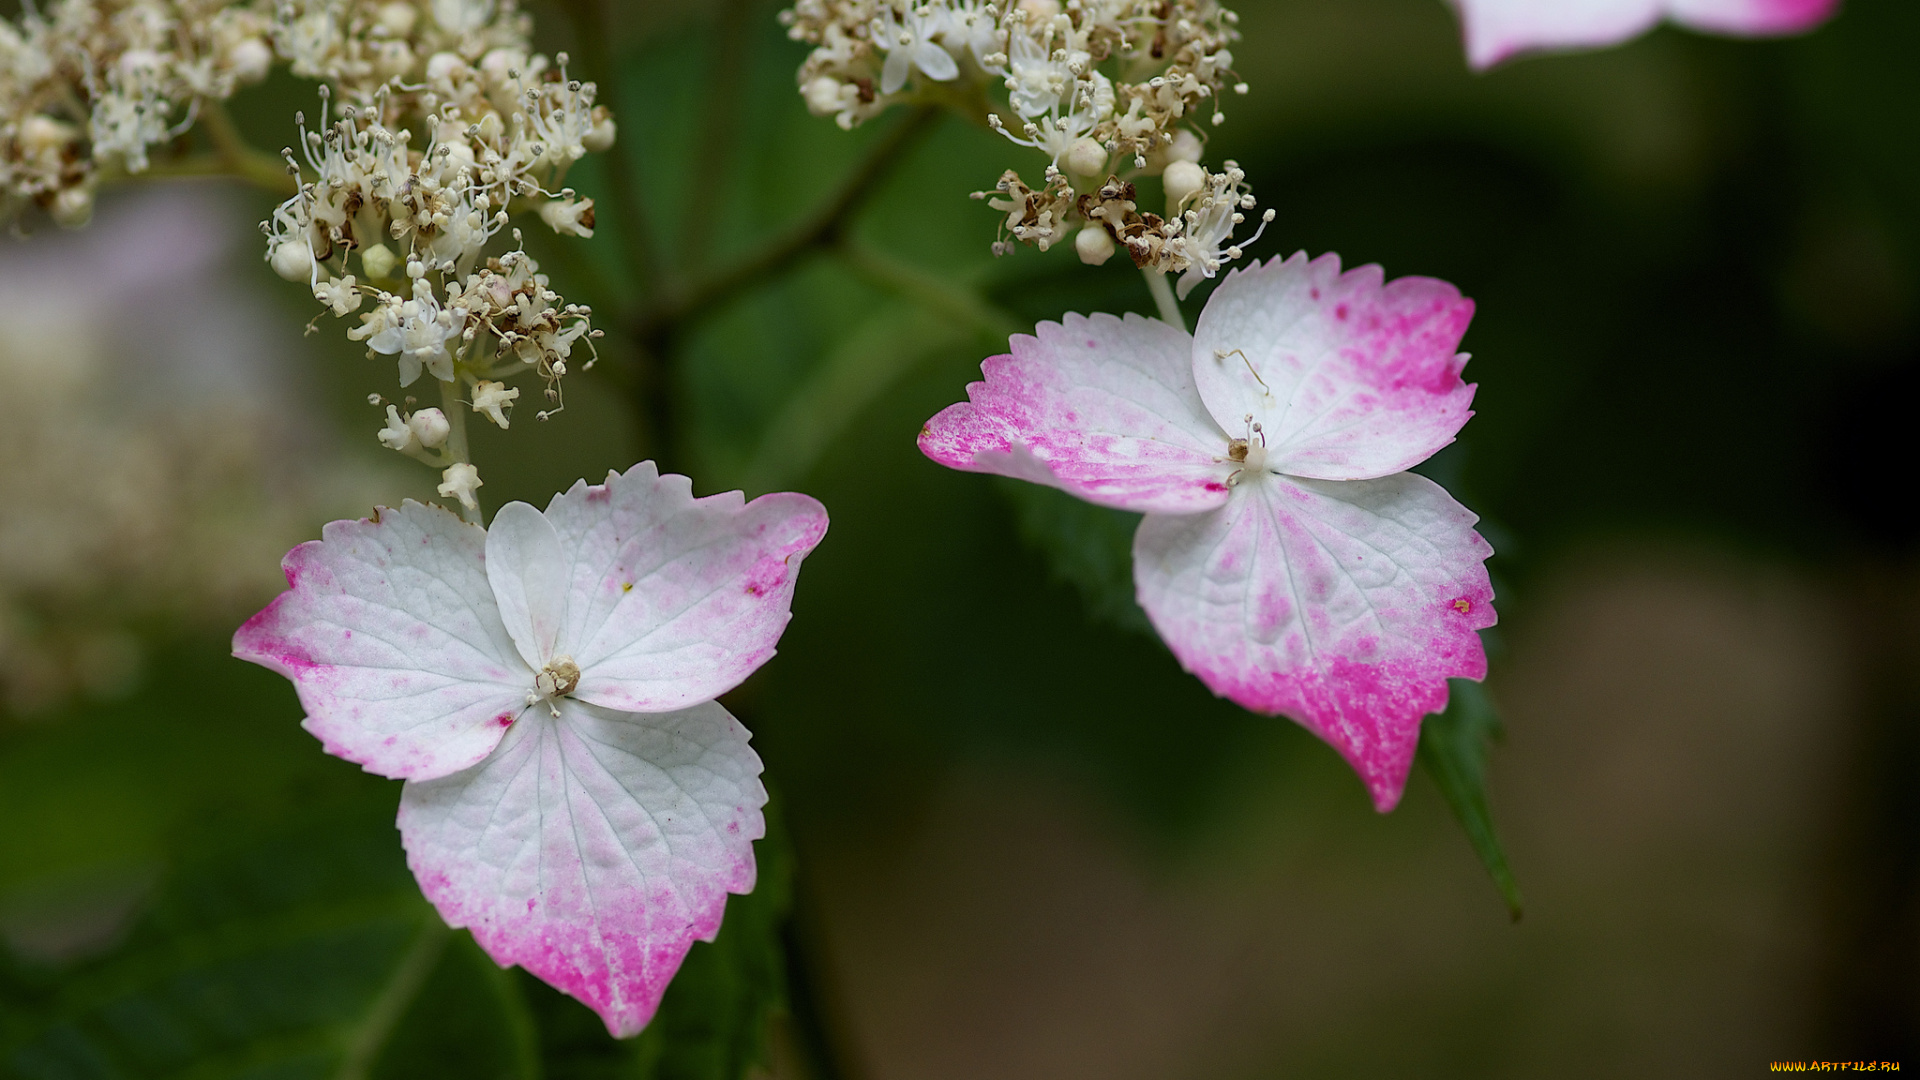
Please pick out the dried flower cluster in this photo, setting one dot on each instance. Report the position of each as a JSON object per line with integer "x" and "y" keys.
{"x": 1107, "y": 90}
{"x": 446, "y": 122}
{"x": 88, "y": 86}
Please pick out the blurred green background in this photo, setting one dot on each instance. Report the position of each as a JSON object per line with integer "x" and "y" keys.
{"x": 1014, "y": 838}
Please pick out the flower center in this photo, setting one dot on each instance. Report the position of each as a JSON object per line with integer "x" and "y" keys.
{"x": 558, "y": 678}
{"x": 1250, "y": 454}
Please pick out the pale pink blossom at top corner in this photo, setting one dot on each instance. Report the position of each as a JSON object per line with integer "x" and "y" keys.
{"x": 1498, "y": 30}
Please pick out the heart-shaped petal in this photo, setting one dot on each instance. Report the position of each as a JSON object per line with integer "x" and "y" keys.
{"x": 594, "y": 848}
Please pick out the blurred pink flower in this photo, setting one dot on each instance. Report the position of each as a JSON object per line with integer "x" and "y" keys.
{"x": 574, "y": 794}
{"x": 1498, "y": 29}
{"x": 1286, "y": 557}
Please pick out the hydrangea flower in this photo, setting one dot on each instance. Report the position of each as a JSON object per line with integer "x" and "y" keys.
{"x": 1498, "y": 29}
{"x": 1286, "y": 557}
{"x": 574, "y": 796}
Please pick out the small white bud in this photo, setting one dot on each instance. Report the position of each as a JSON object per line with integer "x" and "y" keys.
{"x": 1182, "y": 180}
{"x": 397, "y": 18}
{"x": 430, "y": 427}
{"x": 823, "y": 95}
{"x": 600, "y": 136}
{"x": 1094, "y": 245}
{"x": 491, "y": 397}
{"x": 441, "y": 65}
{"x": 459, "y": 482}
{"x": 378, "y": 261}
{"x": 1186, "y": 146}
{"x": 568, "y": 218}
{"x": 72, "y": 208}
{"x": 1087, "y": 158}
{"x": 293, "y": 260}
{"x": 39, "y": 134}
{"x": 135, "y": 62}
{"x": 250, "y": 59}
{"x": 398, "y": 434}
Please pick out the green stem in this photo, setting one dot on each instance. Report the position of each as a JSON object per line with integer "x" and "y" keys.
{"x": 1163, "y": 299}
{"x": 403, "y": 986}
{"x": 656, "y": 332}
{"x": 457, "y": 450}
{"x": 268, "y": 174}
{"x": 958, "y": 303}
{"x": 231, "y": 156}
{"x": 820, "y": 229}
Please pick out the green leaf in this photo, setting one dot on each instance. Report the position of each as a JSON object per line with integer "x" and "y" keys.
{"x": 468, "y": 1020}
{"x": 302, "y": 951}
{"x": 1453, "y": 750}
{"x": 1086, "y": 546}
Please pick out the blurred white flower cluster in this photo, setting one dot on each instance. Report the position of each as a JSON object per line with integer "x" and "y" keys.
{"x": 437, "y": 120}
{"x": 88, "y": 86}
{"x": 153, "y": 463}
{"x": 1106, "y": 90}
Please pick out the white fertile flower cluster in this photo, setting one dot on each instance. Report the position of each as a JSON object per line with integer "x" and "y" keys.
{"x": 446, "y": 123}
{"x": 1107, "y": 90}
{"x": 88, "y": 86}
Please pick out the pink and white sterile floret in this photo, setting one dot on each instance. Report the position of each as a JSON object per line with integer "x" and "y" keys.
{"x": 1286, "y": 555}
{"x": 575, "y": 796}
{"x": 1498, "y": 29}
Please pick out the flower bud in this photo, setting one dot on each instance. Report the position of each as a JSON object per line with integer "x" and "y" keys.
{"x": 41, "y": 134}
{"x": 1182, "y": 180}
{"x": 398, "y": 434}
{"x": 501, "y": 65}
{"x": 568, "y": 218}
{"x": 249, "y": 60}
{"x": 823, "y": 96}
{"x": 1094, "y": 245}
{"x": 378, "y": 261}
{"x": 397, "y": 18}
{"x": 459, "y": 481}
{"x": 492, "y": 398}
{"x": 442, "y": 65}
{"x": 292, "y": 260}
{"x": 1087, "y": 158}
{"x": 72, "y": 208}
{"x": 600, "y": 136}
{"x": 1186, "y": 146}
{"x": 430, "y": 427}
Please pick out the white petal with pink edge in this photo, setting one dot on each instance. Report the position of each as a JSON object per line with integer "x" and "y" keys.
{"x": 674, "y": 600}
{"x": 391, "y": 635}
{"x": 1100, "y": 407}
{"x": 1349, "y": 376}
{"x": 594, "y": 848}
{"x": 1344, "y": 605}
{"x": 1752, "y": 17}
{"x": 1498, "y": 29}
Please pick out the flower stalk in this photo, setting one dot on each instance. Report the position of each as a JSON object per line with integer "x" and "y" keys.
{"x": 457, "y": 448}
{"x": 1163, "y": 300}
